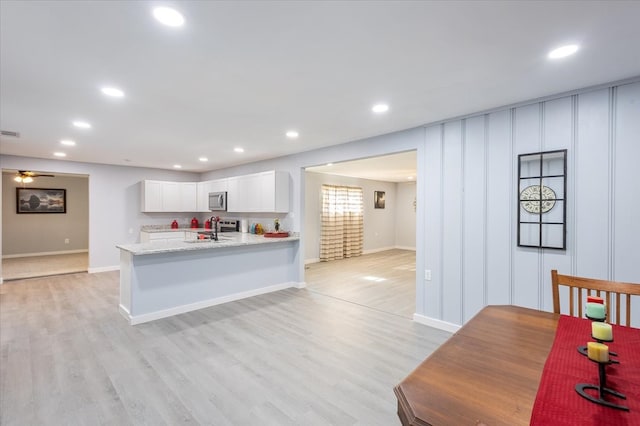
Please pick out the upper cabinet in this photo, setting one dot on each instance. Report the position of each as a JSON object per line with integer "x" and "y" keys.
{"x": 161, "y": 196}
{"x": 203, "y": 190}
{"x": 266, "y": 192}
{"x": 187, "y": 191}
{"x": 151, "y": 195}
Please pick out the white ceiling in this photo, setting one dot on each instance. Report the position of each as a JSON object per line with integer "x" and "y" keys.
{"x": 243, "y": 73}
{"x": 399, "y": 167}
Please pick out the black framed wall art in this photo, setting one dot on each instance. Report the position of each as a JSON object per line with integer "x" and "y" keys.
{"x": 542, "y": 199}
{"x": 378, "y": 199}
{"x": 41, "y": 200}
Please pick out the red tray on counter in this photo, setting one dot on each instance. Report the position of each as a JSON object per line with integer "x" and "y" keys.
{"x": 276, "y": 234}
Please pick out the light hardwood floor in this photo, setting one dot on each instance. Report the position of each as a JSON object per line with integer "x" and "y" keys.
{"x": 41, "y": 266}
{"x": 293, "y": 357}
{"x": 385, "y": 280}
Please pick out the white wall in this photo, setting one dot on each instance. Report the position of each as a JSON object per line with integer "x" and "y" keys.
{"x": 114, "y": 202}
{"x": 405, "y": 215}
{"x": 466, "y": 198}
{"x": 471, "y": 201}
{"x": 42, "y": 233}
{"x": 379, "y": 224}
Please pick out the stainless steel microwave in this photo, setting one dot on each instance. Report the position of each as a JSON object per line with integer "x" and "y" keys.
{"x": 218, "y": 201}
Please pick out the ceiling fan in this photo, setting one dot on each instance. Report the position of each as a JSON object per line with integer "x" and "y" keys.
{"x": 25, "y": 176}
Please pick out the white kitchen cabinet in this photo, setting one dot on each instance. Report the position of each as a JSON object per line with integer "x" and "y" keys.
{"x": 171, "y": 196}
{"x": 239, "y": 193}
{"x": 202, "y": 196}
{"x": 266, "y": 192}
{"x": 147, "y": 237}
{"x": 203, "y": 190}
{"x": 188, "y": 196}
{"x": 164, "y": 196}
{"x": 190, "y": 235}
{"x": 151, "y": 196}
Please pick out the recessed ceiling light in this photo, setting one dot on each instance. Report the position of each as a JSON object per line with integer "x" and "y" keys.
{"x": 292, "y": 134}
{"x": 380, "y": 108}
{"x": 59, "y": 154}
{"x": 169, "y": 17}
{"x": 238, "y": 149}
{"x": 82, "y": 124}
{"x": 410, "y": 178}
{"x": 329, "y": 164}
{"x": 563, "y": 51}
{"x": 114, "y": 92}
{"x": 203, "y": 159}
{"x": 67, "y": 142}
{"x": 177, "y": 166}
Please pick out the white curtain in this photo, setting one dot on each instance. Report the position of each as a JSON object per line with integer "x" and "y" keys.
{"x": 342, "y": 232}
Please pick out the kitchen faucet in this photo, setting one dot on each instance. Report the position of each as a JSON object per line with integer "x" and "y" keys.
{"x": 214, "y": 222}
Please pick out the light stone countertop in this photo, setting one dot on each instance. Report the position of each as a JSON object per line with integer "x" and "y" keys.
{"x": 161, "y": 228}
{"x": 227, "y": 239}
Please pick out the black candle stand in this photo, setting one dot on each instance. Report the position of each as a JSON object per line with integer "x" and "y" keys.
{"x": 583, "y": 350}
{"x": 601, "y": 388}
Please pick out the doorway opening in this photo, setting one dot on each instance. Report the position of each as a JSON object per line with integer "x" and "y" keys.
{"x": 45, "y": 224}
{"x": 384, "y": 276}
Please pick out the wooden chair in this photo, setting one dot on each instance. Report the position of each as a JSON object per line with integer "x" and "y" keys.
{"x": 594, "y": 286}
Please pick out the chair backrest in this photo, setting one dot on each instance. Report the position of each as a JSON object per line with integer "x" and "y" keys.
{"x": 597, "y": 288}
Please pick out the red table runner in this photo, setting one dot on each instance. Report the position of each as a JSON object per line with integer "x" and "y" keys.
{"x": 557, "y": 403}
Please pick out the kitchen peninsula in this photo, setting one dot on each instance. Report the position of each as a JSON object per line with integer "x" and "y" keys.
{"x": 164, "y": 278}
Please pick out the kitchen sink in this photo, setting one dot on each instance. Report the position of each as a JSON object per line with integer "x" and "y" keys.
{"x": 208, "y": 240}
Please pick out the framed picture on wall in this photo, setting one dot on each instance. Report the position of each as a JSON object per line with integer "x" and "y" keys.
{"x": 378, "y": 199}
{"x": 40, "y": 200}
{"x": 542, "y": 199}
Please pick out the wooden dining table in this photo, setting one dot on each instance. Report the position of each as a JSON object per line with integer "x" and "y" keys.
{"x": 485, "y": 374}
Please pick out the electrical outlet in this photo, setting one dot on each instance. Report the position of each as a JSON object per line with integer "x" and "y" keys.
{"x": 427, "y": 274}
{"x": 66, "y": 241}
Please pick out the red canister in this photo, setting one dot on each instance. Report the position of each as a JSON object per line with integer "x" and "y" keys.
{"x": 194, "y": 223}
{"x": 207, "y": 224}
{"x": 174, "y": 224}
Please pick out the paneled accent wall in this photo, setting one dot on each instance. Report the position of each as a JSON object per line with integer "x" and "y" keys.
{"x": 470, "y": 191}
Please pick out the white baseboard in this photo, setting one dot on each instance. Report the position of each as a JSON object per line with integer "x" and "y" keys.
{"x": 370, "y": 251}
{"x": 44, "y": 253}
{"x": 104, "y": 269}
{"x": 152, "y": 316}
{"x": 124, "y": 312}
{"x": 436, "y": 323}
